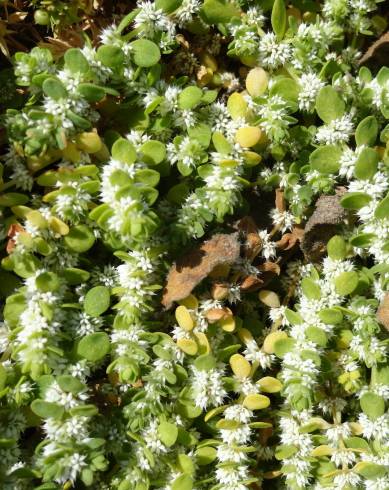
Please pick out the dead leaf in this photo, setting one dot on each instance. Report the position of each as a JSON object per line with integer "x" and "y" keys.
{"x": 213, "y": 315}
{"x": 192, "y": 268}
{"x": 377, "y": 54}
{"x": 13, "y": 230}
{"x": 383, "y": 312}
{"x": 289, "y": 240}
{"x": 246, "y": 225}
{"x": 16, "y": 17}
{"x": 270, "y": 267}
{"x": 251, "y": 283}
{"x": 280, "y": 200}
{"x": 220, "y": 290}
{"x": 323, "y": 224}
{"x": 252, "y": 246}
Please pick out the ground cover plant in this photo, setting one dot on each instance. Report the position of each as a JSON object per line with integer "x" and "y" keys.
{"x": 194, "y": 201}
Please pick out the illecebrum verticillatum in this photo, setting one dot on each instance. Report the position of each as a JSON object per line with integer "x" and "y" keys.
{"x": 122, "y": 154}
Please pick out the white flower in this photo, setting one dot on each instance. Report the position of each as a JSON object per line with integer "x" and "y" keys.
{"x": 337, "y": 131}
{"x": 208, "y": 387}
{"x": 310, "y": 84}
{"x": 268, "y": 246}
{"x": 273, "y": 53}
{"x": 378, "y": 429}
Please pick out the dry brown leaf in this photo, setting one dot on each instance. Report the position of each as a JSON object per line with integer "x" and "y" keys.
{"x": 16, "y": 17}
{"x": 383, "y": 312}
{"x": 280, "y": 200}
{"x": 252, "y": 246}
{"x": 251, "y": 283}
{"x": 246, "y": 225}
{"x": 213, "y": 315}
{"x": 270, "y": 267}
{"x": 378, "y": 53}
{"x": 323, "y": 224}
{"x": 13, "y": 230}
{"x": 220, "y": 290}
{"x": 289, "y": 240}
{"x": 192, "y": 268}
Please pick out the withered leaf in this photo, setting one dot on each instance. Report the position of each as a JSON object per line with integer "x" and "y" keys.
{"x": 270, "y": 267}
{"x": 13, "y": 230}
{"x": 252, "y": 246}
{"x": 377, "y": 54}
{"x": 192, "y": 268}
{"x": 323, "y": 224}
{"x": 289, "y": 240}
{"x": 251, "y": 283}
{"x": 215, "y": 314}
{"x": 280, "y": 200}
{"x": 383, "y": 312}
{"x": 246, "y": 225}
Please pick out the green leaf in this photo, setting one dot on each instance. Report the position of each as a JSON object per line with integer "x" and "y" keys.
{"x": 237, "y": 105}
{"x": 279, "y": 18}
{"x": 168, "y": 6}
{"x": 94, "y": 347}
{"x": 148, "y": 177}
{"x": 337, "y": 248}
{"x": 362, "y": 239}
{"x": 331, "y": 316}
{"x": 55, "y": 89}
{"x": 79, "y": 239}
{"x": 145, "y": 52}
{"x": 369, "y": 470}
{"x": 283, "y": 346}
{"x": 355, "y": 200}
{"x": 218, "y": 11}
{"x": 310, "y": 288}
{"x": 367, "y": 131}
{"x": 87, "y": 477}
{"x": 185, "y": 464}
{"x": 13, "y": 199}
{"x": 111, "y": 56}
{"x": 3, "y": 377}
{"x": 47, "y": 410}
{"x": 26, "y": 266}
{"x": 190, "y": 97}
{"x": 329, "y": 104}
{"x": 357, "y": 443}
{"x": 91, "y": 92}
{"x": 183, "y": 482}
{"x": 293, "y": 317}
{"x": 84, "y": 410}
{"x": 366, "y": 164}
{"x": 75, "y": 276}
{"x": 167, "y": 433}
{"x": 75, "y": 61}
{"x": 285, "y": 451}
{"x": 205, "y": 455}
{"x": 123, "y": 151}
{"x": 382, "y": 210}
{"x": 154, "y": 152}
{"x": 205, "y": 362}
{"x": 221, "y": 144}
{"x": 202, "y": 133}
{"x": 325, "y": 159}
{"x": 346, "y": 282}
{"x": 47, "y": 281}
{"x": 372, "y": 405}
{"x": 97, "y": 300}
{"x": 288, "y": 89}
{"x": 70, "y": 384}
{"x": 317, "y": 335}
